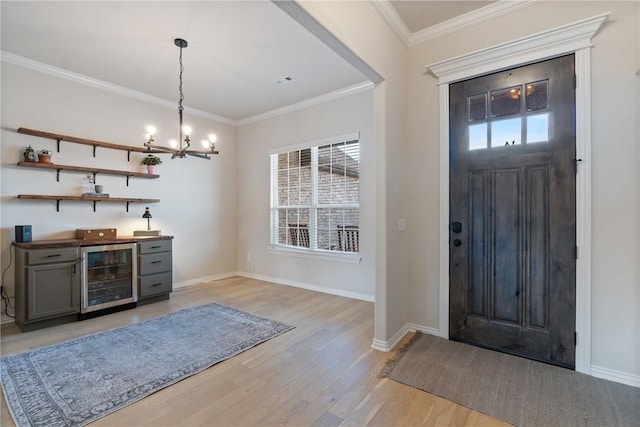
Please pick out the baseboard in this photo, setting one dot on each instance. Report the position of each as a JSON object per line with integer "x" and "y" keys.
{"x": 325, "y": 290}
{"x": 5, "y": 320}
{"x": 616, "y": 376}
{"x": 387, "y": 346}
{"x": 413, "y": 327}
{"x": 187, "y": 283}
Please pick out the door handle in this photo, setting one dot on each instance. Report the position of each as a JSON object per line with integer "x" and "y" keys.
{"x": 456, "y": 227}
{"x": 457, "y": 242}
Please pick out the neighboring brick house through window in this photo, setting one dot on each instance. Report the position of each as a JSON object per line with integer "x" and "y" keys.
{"x": 315, "y": 195}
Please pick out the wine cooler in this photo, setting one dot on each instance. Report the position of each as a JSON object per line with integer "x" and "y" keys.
{"x": 109, "y": 276}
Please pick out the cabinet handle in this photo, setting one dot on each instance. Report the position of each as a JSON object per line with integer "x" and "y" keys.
{"x": 156, "y": 247}
{"x": 156, "y": 262}
{"x": 53, "y": 256}
{"x": 156, "y": 284}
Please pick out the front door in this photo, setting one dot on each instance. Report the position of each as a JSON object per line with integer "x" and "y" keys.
{"x": 513, "y": 212}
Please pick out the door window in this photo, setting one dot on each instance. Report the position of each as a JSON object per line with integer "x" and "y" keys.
{"x": 514, "y": 115}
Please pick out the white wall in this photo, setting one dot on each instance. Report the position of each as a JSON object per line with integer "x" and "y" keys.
{"x": 197, "y": 197}
{"x": 350, "y": 114}
{"x": 615, "y": 159}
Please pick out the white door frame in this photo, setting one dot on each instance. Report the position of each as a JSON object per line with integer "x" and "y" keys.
{"x": 571, "y": 38}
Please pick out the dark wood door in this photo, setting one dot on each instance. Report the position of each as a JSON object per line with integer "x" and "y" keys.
{"x": 512, "y": 211}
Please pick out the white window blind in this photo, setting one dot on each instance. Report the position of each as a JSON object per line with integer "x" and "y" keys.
{"x": 315, "y": 195}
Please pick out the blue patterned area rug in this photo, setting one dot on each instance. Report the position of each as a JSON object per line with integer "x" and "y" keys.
{"x": 75, "y": 382}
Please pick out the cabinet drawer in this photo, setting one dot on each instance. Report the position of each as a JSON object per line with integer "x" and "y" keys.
{"x": 154, "y": 246}
{"x": 154, "y": 263}
{"x": 155, "y": 284}
{"x": 46, "y": 256}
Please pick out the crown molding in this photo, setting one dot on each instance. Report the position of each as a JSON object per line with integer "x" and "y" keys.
{"x": 397, "y": 25}
{"x": 21, "y": 61}
{"x": 340, "y": 93}
{"x": 557, "y": 41}
{"x": 467, "y": 20}
{"x": 393, "y": 20}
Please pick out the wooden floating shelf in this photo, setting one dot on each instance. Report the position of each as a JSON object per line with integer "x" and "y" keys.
{"x": 58, "y": 137}
{"x": 95, "y": 200}
{"x": 94, "y": 171}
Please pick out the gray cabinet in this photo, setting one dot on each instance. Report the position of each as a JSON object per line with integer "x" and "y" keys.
{"x": 155, "y": 278}
{"x": 47, "y": 286}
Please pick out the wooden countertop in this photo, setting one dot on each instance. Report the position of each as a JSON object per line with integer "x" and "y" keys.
{"x": 69, "y": 243}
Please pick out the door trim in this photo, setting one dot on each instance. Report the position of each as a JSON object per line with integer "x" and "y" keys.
{"x": 571, "y": 38}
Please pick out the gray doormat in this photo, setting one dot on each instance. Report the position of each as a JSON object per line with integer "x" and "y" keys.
{"x": 516, "y": 390}
{"x": 75, "y": 382}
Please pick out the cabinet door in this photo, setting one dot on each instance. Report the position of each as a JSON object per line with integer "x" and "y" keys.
{"x": 52, "y": 290}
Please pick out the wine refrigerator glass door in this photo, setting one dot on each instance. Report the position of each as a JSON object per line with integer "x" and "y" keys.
{"x": 109, "y": 276}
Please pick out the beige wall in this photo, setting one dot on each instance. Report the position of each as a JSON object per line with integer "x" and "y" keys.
{"x": 197, "y": 197}
{"x": 342, "y": 116}
{"x": 363, "y": 31}
{"x": 615, "y": 165}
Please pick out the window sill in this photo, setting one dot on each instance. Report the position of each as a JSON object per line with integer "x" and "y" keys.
{"x": 350, "y": 258}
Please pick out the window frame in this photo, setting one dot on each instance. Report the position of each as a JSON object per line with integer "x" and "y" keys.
{"x": 274, "y": 227}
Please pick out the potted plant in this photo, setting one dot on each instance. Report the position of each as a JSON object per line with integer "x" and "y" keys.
{"x": 151, "y": 162}
{"x": 44, "y": 156}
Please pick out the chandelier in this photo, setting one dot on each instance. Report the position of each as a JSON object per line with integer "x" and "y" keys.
{"x": 181, "y": 147}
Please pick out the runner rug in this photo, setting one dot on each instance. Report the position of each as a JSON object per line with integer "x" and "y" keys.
{"x": 516, "y": 390}
{"x": 75, "y": 382}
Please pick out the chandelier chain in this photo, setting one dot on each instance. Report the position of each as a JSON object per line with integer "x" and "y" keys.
{"x": 180, "y": 107}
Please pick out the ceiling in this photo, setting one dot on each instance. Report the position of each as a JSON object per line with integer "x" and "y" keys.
{"x": 420, "y": 14}
{"x": 237, "y": 49}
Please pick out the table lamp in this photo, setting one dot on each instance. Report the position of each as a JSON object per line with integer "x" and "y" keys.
{"x": 148, "y": 231}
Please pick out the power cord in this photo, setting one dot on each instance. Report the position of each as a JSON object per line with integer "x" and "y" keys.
{"x": 6, "y": 299}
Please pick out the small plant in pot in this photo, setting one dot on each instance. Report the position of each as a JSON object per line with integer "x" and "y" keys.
{"x": 151, "y": 161}
{"x": 44, "y": 156}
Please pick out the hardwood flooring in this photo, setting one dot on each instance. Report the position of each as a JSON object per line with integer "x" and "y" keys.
{"x": 322, "y": 373}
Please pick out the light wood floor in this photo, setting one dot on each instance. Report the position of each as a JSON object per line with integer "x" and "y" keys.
{"x": 322, "y": 373}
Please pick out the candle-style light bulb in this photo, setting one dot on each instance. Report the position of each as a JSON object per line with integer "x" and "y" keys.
{"x": 212, "y": 138}
{"x": 206, "y": 144}
{"x": 186, "y": 129}
{"x": 150, "y": 132}
{"x": 173, "y": 143}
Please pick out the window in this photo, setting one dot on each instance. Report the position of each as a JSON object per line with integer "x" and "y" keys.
{"x": 506, "y": 117}
{"x": 315, "y": 195}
